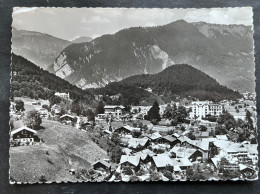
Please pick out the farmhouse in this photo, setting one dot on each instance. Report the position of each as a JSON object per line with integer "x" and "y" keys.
{"x": 183, "y": 163}
{"x": 126, "y": 130}
{"x": 101, "y": 164}
{"x": 24, "y": 134}
{"x": 130, "y": 161}
{"x": 182, "y": 152}
{"x": 138, "y": 143}
{"x": 68, "y": 119}
{"x": 161, "y": 161}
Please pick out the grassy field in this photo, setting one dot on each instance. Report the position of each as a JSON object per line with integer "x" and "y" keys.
{"x": 64, "y": 148}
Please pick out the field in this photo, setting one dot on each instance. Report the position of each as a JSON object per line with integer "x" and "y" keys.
{"x": 64, "y": 148}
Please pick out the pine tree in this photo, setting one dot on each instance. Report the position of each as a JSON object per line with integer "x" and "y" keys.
{"x": 153, "y": 113}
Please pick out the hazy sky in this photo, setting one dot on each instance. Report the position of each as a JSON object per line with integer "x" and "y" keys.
{"x": 69, "y": 23}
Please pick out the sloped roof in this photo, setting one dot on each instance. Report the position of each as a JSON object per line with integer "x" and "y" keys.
{"x": 182, "y": 152}
{"x": 67, "y": 115}
{"x": 127, "y": 151}
{"x": 155, "y": 135}
{"x": 131, "y": 159}
{"x": 143, "y": 156}
{"x": 102, "y": 162}
{"x": 135, "y": 142}
{"x": 148, "y": 152}
{"x": 22, "y": 128}
{"x": 221, "y": 137}
{"x": 162, "y": 160}
{"x": 169, "y": 138}
{"x": 204, "y": 134}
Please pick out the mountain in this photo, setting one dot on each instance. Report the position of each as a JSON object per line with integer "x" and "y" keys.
{"x": 41, "y": 49}
{"x": 81, "y": 39}
{"x": 31, "y": 81}
{"x": 175, "y": 81}
{"x": 224, "y": 52}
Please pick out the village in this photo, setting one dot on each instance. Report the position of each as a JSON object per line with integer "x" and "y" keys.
{"x": 184, "y": 140}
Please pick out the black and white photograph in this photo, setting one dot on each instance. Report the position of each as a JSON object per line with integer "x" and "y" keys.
{"x": 132, "y": 94}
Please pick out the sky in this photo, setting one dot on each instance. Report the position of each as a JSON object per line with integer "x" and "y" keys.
{"x": 70, "y": 23}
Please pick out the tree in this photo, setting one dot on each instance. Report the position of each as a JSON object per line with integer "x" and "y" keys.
{"x": 55, "y": 100}
{"x": 33, "y": 119}
{"x": 90, "y": 115}
{"x": 191, "y": 136}
{"x": 153, "y": 113}
{"x": 203, "y": 128}
{"x": 168, "y": 112}
{"x": 115, "y": 154}
{"x": 100, "y": 107}
{"x": 19, "y": 105}
{"x": 115, "y": 138}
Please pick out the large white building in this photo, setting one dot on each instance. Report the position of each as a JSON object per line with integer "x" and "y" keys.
{"x": 202, "y": 108}
{"x": 63, "y": 95}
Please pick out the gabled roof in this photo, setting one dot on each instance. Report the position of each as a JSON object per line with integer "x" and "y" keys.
{"x": 22, "y": 128}
{"x": 162, "y": 160}
{"x": 176, "y": 135}
{"x": 129, "y": 128}
{"x": 135, "y": 142}
{"x": 155, "y": 135}
{"x": 127, "y": 151}
{"x": 142, "y": 155}
{"x": 182, "y": 152}
{"x": 148, "y": 152}
{"x": 67, "y": 115}
{"x": 134, "y": 160}
{"x": 102, "y": 162}
{"x": 169, "y": 138}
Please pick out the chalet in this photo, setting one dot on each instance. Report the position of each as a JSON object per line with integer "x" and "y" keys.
{"x": 145, "y": 155}
{"x": 126, "y": 130}
{"x": 24, "y": 135}
{"x": 138, "y": 143}
{"x": 113, "y": 111}
{"x": 43, "y": 113}
{"x": 133, "y": 161}
{"x": 56, "y": 109}
{"x": 155, "y": 137}
{"x": 68, "y": 119}
{"x": 161, "y": 161}
{"x": 182, "y": 152}
{"x": 101, "y": 164}
{"x": 127, "y": 151}
{"x": 169, "y": 140}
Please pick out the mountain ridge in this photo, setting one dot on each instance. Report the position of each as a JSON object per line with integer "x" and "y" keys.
{"x": 225, "y": 52}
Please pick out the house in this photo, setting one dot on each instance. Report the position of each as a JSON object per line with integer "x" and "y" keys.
{"x": 126, "y": 130}
{"x": 24, "y": 135}
{"x": 182, "y": 152}
{"x": 155, "y": 137}
{"x": 43, "y": 113}
{"x": 101, "y": 164}
{"x": 138, "y": 143}
{"x": 182, "y": 163}
{"x": 169, "y": 140}
{"x": 68, "y": 119}
{"x": 12, "y": 108}
{"x": 204, "y": 134}
{"x": 127, "y": 151}
{"x": 56, "y": 109}
{"x": 128, "y": 161}
{"x": 161, "y": 161}
{"x": 113, "y": 111}
{"x": 65, "y": 96}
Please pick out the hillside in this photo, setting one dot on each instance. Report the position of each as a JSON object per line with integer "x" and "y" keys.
{"x": 41, "y": 49}
{"x": 64, "y": 148}
{"x": 181, "y": 80}
{"x": 32, "y": 81}
{"x": 224, "y": 52}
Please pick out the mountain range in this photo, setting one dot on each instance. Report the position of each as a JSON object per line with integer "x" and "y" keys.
{"x": 81, "y": 39}
{"x": 224, "y": 52}
{"x": 39, "y": 48}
